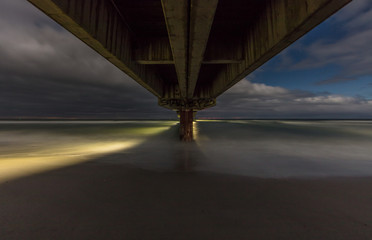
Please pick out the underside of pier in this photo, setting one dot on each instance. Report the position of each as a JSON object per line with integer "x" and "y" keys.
{"x": 188, "y": 52}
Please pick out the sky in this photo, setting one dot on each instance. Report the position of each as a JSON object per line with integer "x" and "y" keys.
{"x": 46, "y": 72}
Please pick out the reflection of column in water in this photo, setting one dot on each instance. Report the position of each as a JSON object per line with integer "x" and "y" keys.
{"x": 195, "y": 130}
{"x": 188, "y": 153}
{"x": 186, "y": 160}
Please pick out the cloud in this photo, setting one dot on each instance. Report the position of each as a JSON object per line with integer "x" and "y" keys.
{"x": 38, "y": 50}
{"x": 349, "y": 51}
{"x": 352, "y": 54}
{"x": 257, "y": 100}
{"x": 256, "y": 89}
{"x": 352, "y": 10}
{"x": 46, "y": 71}
{"x": 330, "y": 99}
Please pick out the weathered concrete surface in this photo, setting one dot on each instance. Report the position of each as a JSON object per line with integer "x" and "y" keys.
{"x": 176, "y": 18}
{"x": 201, "y": 19}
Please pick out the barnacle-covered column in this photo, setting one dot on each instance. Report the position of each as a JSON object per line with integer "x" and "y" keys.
{"x": 186, "y": 125}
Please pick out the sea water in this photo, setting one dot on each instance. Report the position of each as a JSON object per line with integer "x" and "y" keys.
{"x": 256, "y": 148}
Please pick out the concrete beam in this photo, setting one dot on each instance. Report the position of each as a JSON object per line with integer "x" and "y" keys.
{"x": 201, "y": 19}
{"x": 282, "y": 23}
{"x": 98, "y": 24}
{"x": 176, "y": 18}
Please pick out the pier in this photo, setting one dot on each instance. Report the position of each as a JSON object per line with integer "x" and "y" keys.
{"x": 188, "y": 52}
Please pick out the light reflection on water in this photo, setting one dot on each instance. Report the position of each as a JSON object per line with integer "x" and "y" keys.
{"x": 251, "y": 148}
{"x": 32, "y": 147}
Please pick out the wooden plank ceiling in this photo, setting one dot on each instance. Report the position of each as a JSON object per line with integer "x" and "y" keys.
{"x": 188, "y": 52}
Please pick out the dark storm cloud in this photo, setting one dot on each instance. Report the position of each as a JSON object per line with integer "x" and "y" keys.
{"x": 41, "y": 97}
{"x": 45, "y": 71}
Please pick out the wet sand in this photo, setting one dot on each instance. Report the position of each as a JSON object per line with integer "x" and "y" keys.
{"x": 96, "y": 200}
{"x": 84, "y": 188}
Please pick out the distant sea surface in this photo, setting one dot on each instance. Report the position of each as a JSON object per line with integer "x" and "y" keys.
{"x": 256, "y": 148}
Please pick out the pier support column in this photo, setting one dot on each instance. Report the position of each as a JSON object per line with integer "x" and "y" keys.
{"x": 186, "y": 125}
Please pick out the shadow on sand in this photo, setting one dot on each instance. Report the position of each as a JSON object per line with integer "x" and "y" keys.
{"x": 126, "y": 195}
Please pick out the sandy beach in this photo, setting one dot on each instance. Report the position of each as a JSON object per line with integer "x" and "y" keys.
{"x": 104, "y": 201}
{"x": 251, "y": 180}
